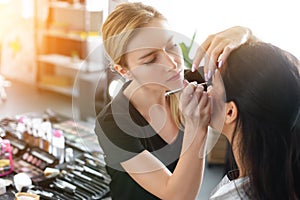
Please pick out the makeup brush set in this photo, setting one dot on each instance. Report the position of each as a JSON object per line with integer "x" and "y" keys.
{"x": 83, "y": 178}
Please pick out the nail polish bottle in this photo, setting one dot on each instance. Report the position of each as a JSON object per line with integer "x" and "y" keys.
{"x": 20, "y": 129}
{"x": 46, "y": 136}
{"x": 25, "y": 122}
{"x": 36, "y": 125}
{"x": 30, "y": 139}
{"x": 58, "y": 145}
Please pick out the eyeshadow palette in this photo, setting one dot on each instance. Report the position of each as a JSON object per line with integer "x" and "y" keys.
{"x": 79, "y": 135}
{"x": 18, "y": 146}
{"x": 34, "y": 161}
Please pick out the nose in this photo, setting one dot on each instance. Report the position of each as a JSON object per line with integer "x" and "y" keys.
{"x": 168, "y": 59}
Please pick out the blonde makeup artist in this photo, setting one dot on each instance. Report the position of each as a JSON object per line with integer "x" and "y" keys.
{"x": 152, "y": 141}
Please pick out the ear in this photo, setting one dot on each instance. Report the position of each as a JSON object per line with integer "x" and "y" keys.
{"x": 122, "y": 71}
{"x": 231, "y": 113}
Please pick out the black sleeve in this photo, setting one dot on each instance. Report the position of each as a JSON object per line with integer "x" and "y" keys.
{"x": 118, "y": 144}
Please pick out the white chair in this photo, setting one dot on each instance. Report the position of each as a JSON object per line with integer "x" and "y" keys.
{"x": 3, "y": 84}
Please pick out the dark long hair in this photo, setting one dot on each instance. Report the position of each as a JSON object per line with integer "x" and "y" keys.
{"x": 263, "y": 80}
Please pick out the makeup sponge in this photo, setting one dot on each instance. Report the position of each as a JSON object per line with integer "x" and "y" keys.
{"x": 22, "y": 180}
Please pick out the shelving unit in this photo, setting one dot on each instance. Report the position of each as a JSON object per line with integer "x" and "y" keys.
{"x": 217, "y": 156}
{"x": 65, "y": 40}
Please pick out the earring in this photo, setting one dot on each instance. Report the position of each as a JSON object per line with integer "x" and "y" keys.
{"x": 127, "y": 75}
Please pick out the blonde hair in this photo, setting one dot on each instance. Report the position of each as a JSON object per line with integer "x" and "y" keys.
{"x": 119, "y": 26}
{"x": 118, "y": 29}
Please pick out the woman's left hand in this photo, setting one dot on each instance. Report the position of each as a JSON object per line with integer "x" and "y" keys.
{"x": 217, "y": 47}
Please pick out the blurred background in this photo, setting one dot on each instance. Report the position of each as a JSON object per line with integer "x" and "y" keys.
{"x": 51, "y": 55}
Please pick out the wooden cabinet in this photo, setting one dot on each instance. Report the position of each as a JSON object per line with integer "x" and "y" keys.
{"x": 219, "y": 152}
{"x": 65, "y": 40}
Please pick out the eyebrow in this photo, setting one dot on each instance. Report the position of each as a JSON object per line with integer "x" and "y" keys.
{"x": 148, "y": 54}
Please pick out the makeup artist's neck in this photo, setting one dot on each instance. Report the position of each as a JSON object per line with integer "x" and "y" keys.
{"x": 144, "y": 97}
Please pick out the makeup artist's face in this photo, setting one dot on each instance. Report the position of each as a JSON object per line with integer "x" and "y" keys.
{"x": 154, "y": 59}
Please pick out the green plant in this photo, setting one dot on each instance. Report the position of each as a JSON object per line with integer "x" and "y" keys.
{"x": 186, "y": 51}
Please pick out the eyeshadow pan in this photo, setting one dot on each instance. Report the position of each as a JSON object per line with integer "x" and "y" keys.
{"x": 25, "y": 156}
{"x": 29, "y": 159}
{"x": 43, "y": 165}
{"x": 25, "y": 169}
{"x": 38, "y": 163}
{"x": 34, "y": 160}
{"x": 15, "y": 151}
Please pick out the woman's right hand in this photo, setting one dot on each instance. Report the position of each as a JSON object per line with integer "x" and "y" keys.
{"x": 217, "y": 47}
{"x": 195, "y": 105}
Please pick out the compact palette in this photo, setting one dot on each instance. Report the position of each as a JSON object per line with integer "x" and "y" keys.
{"x": 34, "y": 161}
{"x": 18, "y": 146}
{"x": 79, "y": 135}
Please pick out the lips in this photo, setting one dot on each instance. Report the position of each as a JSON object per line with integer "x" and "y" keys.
{"x": 175, "y": 77}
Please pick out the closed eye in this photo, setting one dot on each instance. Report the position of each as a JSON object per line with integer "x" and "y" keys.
{"x": 150, "y": 60}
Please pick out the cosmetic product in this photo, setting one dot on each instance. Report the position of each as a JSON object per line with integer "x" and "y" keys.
{"x": 46, "y": 134}
{"x": 21, "y": 180}
{"x": 49, "y": 171}
{"x": 36, "y": 126}
{"x": 25, "y": 134}
{"x": 6, "y": 161}
{"x": 45, "y": 195}
{"x": 58, "y": 145}
{"x": 21, "y": 128}
{"x": 180, "y": 89}
{"x": 69, "y": 155}
{"x": 2, "y": 186}
{"x": 34, "y": 161}
{"x": 36, "y": 138}
{"x": 18, "y": 146}
{"x": 79, "y": 135}
{"x": 30, "y": 136}
{"x": 80, "y": 181}
{"x": 26, "y": 196}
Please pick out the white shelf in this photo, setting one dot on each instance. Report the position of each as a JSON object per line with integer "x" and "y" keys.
{"x": 63, "y": 90}
{"x": 72, "y": 27}
{"x": 69, "y": 62}
{"x": 78, "y": 36}
{"x": 77, "y": 6}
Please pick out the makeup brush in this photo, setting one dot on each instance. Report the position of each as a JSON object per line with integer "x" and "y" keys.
{"x": 180, "y": 89}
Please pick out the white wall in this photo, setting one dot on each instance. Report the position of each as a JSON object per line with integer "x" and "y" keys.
{"x": 274, "y": 21}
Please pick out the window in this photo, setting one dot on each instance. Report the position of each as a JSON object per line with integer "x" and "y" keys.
{"x": 272, "y": 21}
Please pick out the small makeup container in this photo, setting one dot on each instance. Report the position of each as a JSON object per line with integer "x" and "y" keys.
{"x": 21, "y": 127}
{"x": 26, "y": 196}
{"x": 46, "y": 136}
{"x": 36, "y": 126}
{"x": 2, "y": 186}
{"x": 30, "y": 136}
{"x": 27, "y": 134}
{"x": 58, "y": 145}
{"x": 6, "y": 160}
{"x": 22, "y": 180}
{"x": 69, "y": 155}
